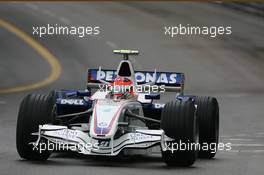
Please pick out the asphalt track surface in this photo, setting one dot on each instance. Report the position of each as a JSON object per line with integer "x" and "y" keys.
{"x": 229, "y": 68}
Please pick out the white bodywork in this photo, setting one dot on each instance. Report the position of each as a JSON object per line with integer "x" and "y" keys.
{"x": 81, "y": 142}
{"x": 104, "y": 118}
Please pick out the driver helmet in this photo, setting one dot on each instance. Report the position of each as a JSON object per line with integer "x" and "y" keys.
{"x": 122, "y": 88}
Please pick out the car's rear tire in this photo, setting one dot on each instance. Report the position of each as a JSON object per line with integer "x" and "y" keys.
{"x": 34, "y": 110}
{"x": 178, "y": 120}
{"x": 208, "y": 117}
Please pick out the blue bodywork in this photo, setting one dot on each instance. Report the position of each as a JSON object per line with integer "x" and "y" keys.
{"x": 72, "y": 101}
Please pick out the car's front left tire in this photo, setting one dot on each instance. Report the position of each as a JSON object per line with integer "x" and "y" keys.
{"x": 208, "y": 117}
{"x": 34, "y": 110}
{"x": 178, "y": 121}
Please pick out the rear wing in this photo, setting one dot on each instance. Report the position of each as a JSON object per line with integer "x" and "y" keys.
{"x": 173, "y": 81}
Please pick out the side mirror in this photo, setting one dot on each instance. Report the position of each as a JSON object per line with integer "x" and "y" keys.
{"x": 152, "y": 96}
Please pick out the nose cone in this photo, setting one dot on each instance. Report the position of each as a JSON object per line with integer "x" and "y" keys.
{"x": 104, "y": 120}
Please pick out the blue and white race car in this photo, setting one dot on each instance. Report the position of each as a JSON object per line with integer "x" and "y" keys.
{"x": 121, "y": 114}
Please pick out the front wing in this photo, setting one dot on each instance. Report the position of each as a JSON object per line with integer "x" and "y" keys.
{"x": 63, "y": 138}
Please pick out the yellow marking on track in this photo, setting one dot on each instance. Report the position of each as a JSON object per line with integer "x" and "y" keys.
{"x": 53, "y": 62}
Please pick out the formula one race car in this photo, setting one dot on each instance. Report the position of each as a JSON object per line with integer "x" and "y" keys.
{"x": 121, "y": 114}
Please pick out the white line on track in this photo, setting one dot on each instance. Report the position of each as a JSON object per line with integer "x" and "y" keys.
{"x": 233, "y": 151}
{"x": 235, "y": 95}
{"x": 64, "y": 20}
{"x": 111, "y": 44}
{"x": 259, "y": 134}
{"x": 2, "y": 102}
{"x": 224, "y": 136}
{"x": 248, "y": 144}
{"x": 32, "y": 6}
{"x": 243, "y": 151}
{"x": 252, "y": 151}
{"x": 241, "y": 135}
{"x": 47, "y": 12}
{"x": 237, "y": 139}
